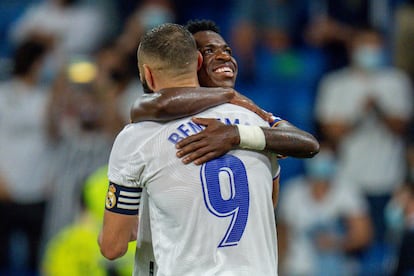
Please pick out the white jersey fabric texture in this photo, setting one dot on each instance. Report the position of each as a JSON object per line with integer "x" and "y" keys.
{"x": 214, "y": 219}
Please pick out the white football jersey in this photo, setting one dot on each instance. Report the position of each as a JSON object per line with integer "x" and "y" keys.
{"x": 213, "y": 219}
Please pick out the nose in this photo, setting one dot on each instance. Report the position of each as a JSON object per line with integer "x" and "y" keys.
{"x": 223, "y": 55}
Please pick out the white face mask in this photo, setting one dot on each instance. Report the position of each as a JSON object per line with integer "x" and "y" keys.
{"x": 321, "y": 167}
{"x": 368, "y": 58}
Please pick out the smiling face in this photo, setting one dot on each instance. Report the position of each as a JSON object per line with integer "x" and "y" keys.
{"x": 219, "y": 67}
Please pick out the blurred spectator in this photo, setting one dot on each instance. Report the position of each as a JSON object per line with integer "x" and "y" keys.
{"x": 147, "y": 15}
{"x": 90, "y": 104}
{"x": 332, "y": 24}
{"x": 9, "y": 10}
{"x": 117, "y": 62}
{"x": 24, "y": 161}
{"x": 272, "y": 25}
{"x": 84, "y": 121}
{"x": 70, "y": 26}
{"x": 321, "y": 221}
{"x": 363, "y": 111}
{"x": 275, "y": 69}
{"x": 112, "y": 74}
{"x": 404, "y": 38}
{"x": 73, "y": 251}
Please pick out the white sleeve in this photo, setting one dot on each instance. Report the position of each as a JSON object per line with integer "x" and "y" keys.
{"x": 126, "y": 163}
{"x": 21, "y": 28}
{"x": 396, "y": 99}
{"x": 351, "y": 201}
{"x": 333, "y": 101}
{"x": 324, "y": 98}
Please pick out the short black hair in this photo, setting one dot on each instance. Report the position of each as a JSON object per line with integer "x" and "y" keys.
{"x": 171, "y": 44}
{"x": 27, "y": 54}
{"x": 195, "y": 26}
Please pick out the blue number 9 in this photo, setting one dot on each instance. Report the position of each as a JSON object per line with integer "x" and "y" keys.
{"x": 231, "y": 169}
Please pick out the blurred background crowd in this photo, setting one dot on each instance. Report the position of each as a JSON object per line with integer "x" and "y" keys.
{"x": 340, "y": 69}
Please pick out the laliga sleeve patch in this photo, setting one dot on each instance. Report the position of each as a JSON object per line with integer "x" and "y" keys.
{"x": 123, "y": 200}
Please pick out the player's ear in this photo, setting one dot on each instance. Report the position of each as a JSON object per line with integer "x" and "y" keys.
{"x": 149, "y": 77}
{"x": 199, "y": 60}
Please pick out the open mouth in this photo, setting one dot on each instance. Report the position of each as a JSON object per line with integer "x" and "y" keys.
{"x": 225, "y": 71}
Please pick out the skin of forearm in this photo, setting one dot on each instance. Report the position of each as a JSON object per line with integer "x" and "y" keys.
{"x": 291, "y": 142}
{"x": 396, "y": 125}
{"x": 117, "y": 231}
{"x": 172, "y": 103}
{"x": 275, "y": 192}
{"x": 359, "y": 234}
{"x": 4, "y": 193}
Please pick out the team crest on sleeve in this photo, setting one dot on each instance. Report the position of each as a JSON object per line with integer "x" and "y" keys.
{"x": 110, "y": 197}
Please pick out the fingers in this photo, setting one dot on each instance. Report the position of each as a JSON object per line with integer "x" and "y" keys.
{"x": 189, "y": 140}
{"x": 196, "y": 137}
{"x": 210, "y": 143}
{"x": 199, "y": 156}
{"x": 190, "y": 147}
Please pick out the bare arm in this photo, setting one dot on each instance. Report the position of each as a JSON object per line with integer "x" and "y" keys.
{"x": 4, "y": 192}
{"x": 117, "y": 231}
{"x": 217, "y": 139}
{"x": 288, "y": 140}
{"x": 395, "y": 124}
{"x": 359, "y": 233}
{"x": 174, "y": 103}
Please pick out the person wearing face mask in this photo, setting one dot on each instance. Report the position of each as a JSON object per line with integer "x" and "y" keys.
{"x": 363, "y": 111}
{"x": 331, "y": 221}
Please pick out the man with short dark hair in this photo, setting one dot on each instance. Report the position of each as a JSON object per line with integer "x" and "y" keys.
{"x": 214, "y": 219}
{"x": 219, "y": 69}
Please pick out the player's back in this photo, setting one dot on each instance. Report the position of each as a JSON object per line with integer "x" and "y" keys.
{"x": 214, "y": 219}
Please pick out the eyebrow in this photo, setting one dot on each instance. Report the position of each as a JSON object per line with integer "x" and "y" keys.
{"x": 215, "y": 45}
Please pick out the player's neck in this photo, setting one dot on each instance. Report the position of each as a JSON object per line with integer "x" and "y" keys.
{"x": 179, "y": 82}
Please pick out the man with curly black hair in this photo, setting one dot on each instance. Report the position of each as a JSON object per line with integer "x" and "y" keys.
{"x": 218, "y": 72}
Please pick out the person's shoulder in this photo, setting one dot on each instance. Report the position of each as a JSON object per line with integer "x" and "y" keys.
{"x": 395, "y": 73}
{"x": 6, "y": 83}
{"x": 337, "y": 75}
{"x": 131, "y": 133}
{"x": 6, "y": 88}
{"x": 344, "y": 188}
{"x": 138, "y": 129}
{"x": 293, "y": 191}
{"x": 40, "y": 8}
